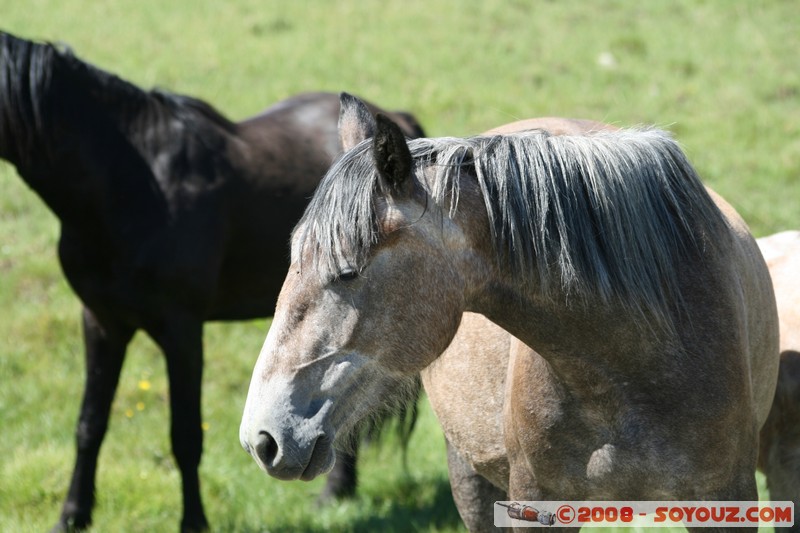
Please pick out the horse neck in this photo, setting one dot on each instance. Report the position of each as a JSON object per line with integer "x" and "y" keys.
{"x": 46, "y": 95}
{"x": 555, "y": 324}
{"x": 546, "y": 323}
{"x": 64, "y": 125}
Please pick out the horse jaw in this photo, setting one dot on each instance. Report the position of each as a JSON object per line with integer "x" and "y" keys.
{"x": 297, "y": 403}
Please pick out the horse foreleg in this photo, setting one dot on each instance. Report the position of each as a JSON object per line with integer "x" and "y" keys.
{"x": 522, "y": 483}
{"x": 105, "y": 350}
{"x": 181, "y": 339}
{"x": 779, "y": 457}
{"x": 341, "y": 482}
{"x": 473, "y": 494}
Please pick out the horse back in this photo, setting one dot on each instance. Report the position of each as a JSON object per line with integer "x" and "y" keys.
{"x": 297, "y": 139}
{"x": 278, "y": 157}
{"x": 553, "y": 125}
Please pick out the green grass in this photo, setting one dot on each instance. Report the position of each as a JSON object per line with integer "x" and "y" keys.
{"x": 723, "y": 75}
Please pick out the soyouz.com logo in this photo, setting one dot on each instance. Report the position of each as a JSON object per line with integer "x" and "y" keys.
{"x": 642, "y": 513}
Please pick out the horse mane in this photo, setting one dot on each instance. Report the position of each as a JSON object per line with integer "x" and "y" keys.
{"x": 608, "y": 214}
{"x": 24, "y": 79}
{"x": 37, "y": 81}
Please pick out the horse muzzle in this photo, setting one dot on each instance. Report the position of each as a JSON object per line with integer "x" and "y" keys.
{"x": 287, "y": 458}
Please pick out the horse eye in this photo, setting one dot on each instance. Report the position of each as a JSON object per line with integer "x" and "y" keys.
{"x": 347, "y": 275}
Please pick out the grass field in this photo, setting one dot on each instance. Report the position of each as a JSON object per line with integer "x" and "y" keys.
{"x": 724, "y": 76}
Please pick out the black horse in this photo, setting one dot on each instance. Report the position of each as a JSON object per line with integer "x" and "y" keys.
{"x": 171, "y": 215}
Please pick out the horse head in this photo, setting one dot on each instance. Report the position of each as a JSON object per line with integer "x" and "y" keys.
{"x": 374, "y": 293}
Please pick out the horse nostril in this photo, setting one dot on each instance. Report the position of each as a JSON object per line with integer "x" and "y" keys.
{"x": 266, "y": 448}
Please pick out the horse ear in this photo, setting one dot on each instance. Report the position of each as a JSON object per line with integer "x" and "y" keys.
{"x": 392, "y": 156}
{"x": 355, "y": 121}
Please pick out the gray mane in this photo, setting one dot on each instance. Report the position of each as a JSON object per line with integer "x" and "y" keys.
{"x": 607, "y": 214}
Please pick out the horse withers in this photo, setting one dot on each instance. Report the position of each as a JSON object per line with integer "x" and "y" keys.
{"x": 171, "y": 215}
{"x": 644, "y": 293}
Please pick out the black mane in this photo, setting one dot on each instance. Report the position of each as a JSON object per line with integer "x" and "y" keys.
{"x": 44, "y": 82}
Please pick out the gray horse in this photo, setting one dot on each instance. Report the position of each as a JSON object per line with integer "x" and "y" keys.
{"x": 644, "y": 294}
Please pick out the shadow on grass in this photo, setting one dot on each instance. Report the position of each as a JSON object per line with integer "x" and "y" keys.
{"x": 401, "y": 514}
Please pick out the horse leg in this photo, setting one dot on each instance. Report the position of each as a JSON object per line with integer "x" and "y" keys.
{"x": 522, "y": 485}
{"x": 783, "y": 474}
{"x": 742, "y": 489}
{"x": 782, "y": 469}
{"x": 341, "y": 482}
{"x": 181, "y": 339}
{"x": 780, "y": 436}
{"x": 473, "y": 494}
{"x": 105, "y": 350}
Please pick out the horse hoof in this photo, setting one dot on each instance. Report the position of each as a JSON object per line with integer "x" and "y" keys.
{"x": 333, "y": 492}
{"x": 199, "y": 526}
{"x": 72, "y": 525}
